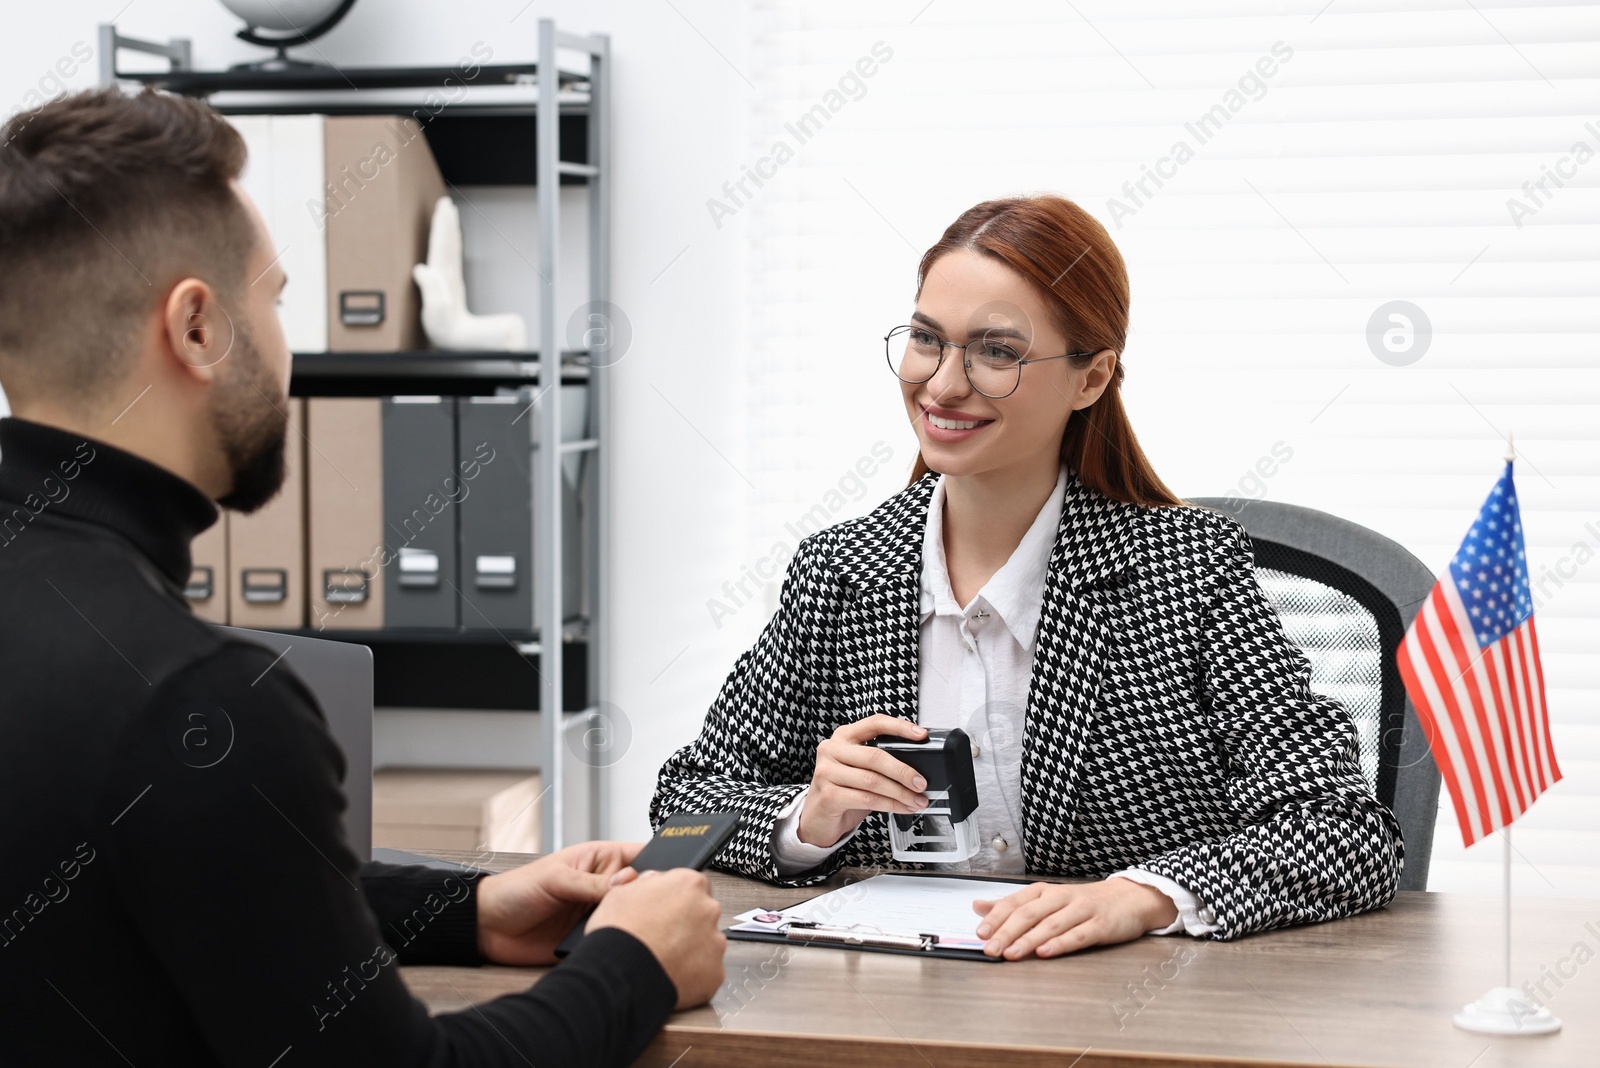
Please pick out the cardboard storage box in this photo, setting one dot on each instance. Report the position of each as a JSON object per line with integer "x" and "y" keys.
{"x": 418, "y": 809}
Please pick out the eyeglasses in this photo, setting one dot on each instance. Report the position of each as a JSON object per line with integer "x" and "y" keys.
{"x": 993, "y": 368}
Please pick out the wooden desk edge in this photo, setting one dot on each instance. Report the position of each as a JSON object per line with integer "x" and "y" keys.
{"x": 779, "y": 1050}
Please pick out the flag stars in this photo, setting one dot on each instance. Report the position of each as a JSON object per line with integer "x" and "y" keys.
{"x": 1489, "y": 571}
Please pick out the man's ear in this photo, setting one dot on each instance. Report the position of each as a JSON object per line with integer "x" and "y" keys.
{"x": 199, "y": 331}
{"x": 1097, "y": 378}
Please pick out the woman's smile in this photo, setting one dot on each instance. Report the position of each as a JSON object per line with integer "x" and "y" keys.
{"x": 948, "y": 425}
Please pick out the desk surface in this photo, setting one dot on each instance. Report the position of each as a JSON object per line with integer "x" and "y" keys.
{"x": 1377, "y": 989}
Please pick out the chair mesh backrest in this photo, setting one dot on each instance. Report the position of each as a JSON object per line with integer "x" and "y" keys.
{"x": 1339, "y": 636}
{"x": 1345, "y": 595}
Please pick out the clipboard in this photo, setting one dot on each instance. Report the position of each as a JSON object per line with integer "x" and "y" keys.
{"x": 870, "y": 938}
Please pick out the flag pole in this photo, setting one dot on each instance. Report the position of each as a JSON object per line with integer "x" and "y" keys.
{"x": 1505, "y": 1010}
{"x": 1506, "y": 897}
{"x": 1505, "y": 872}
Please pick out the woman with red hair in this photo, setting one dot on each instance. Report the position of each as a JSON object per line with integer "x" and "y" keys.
{"x": 1139, "y": 716}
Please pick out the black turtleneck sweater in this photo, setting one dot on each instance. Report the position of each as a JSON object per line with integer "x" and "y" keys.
{"x": 159, "y": 907}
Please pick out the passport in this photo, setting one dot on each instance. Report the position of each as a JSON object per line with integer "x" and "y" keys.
{"x": 686, "y": 840}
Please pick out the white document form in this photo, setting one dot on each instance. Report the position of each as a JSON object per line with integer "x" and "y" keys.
{"x": 894, "y": 904}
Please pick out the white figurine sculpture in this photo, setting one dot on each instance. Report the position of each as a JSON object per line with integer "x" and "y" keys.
{"x": 445, "y": 318}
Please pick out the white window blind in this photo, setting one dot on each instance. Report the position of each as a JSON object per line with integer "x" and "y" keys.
{"x": 1316, "y": 162}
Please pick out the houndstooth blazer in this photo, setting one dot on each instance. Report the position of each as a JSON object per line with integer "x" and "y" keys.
{"x": 1170, "y": 723}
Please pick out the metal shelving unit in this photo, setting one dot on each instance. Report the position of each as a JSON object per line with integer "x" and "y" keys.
{"x": 559, "y": 137}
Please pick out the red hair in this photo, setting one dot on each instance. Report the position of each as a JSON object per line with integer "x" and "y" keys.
{"x": 1070, "y": 259}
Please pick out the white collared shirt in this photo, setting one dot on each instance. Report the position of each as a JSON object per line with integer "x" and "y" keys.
{"x": 974, "y": 668}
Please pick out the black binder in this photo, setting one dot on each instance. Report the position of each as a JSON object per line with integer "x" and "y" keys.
{"x": 423, "y": 490}
{"x": 496, "y": 520}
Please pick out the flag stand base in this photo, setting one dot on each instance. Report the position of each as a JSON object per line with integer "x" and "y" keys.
{"x": 1505, "y": 1011}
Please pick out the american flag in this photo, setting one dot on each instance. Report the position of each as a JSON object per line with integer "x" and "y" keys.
{"x": 1471, "y": 665}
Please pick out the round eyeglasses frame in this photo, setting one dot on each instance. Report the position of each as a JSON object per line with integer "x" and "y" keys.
{"x": 968, "y": 350}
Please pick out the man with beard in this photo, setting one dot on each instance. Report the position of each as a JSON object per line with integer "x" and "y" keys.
{"x": 152, "y": 911}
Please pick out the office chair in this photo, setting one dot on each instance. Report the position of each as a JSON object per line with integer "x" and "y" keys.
{"x": 1346, "y": 595}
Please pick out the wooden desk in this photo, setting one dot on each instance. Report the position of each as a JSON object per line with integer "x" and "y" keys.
{"x": 1377, "y": 989}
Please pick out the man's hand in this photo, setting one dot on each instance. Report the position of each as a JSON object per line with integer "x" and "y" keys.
{"x": 1049, "y": 919}
{"x": 852, "y": 779}
{"x": 675, "y": 916}
{"x": 524, "y": 913}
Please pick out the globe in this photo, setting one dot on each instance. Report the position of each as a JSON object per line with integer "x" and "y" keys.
{"x": 298, "y": 15}
{"x": 297, "y": 21}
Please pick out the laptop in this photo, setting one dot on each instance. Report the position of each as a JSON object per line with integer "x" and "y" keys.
{"x": 339, "y": 676}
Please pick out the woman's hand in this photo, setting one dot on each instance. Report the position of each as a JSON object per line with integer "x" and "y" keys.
{"x": 852, "y": 779}
{"x": 1049, "y": 919}
{"x": 524, "y": 913}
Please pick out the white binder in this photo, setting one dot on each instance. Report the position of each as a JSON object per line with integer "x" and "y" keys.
{"x": 285, "y": 176}
{"x": 298, "y": 229}
{"x": 257, "y": 177}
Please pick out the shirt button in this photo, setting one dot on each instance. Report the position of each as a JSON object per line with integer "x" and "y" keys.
{"x": 977, "y": 751}
{"x": 1000, "y": 844}
{"x": 967, "y": 644}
